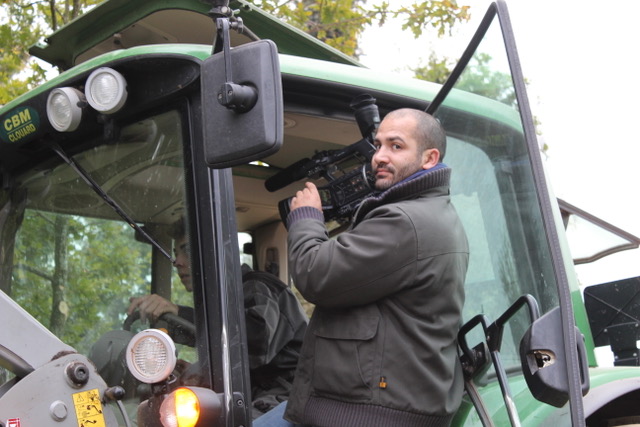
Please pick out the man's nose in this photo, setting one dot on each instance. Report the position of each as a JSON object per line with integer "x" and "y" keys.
{"x": 379, "y": 157}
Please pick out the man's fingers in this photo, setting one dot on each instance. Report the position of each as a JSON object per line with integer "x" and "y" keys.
{"x": 134, "y": 302}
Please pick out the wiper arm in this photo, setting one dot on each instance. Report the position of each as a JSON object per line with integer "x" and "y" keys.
{"x": 114, "y": 205}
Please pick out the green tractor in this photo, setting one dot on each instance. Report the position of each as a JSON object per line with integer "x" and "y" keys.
{"x": 214, "y": 114}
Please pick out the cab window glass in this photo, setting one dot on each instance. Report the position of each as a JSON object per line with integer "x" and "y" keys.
{"x": 493, "y": 190}
{"x": 76, "y": 258}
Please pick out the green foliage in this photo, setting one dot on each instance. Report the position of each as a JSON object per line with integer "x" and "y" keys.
{"x": 19, "y": 29}
{"x": 437, "y": 69}
{"x": 104, "y": 267}
{"x": 479, "y": 77}
{"x": 340, "y": 23}
{"x": 440, "y": 15}
{"x": 22, "y": 24}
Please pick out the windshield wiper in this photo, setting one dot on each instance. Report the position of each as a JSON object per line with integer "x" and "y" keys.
{"x": 114, "y": 205}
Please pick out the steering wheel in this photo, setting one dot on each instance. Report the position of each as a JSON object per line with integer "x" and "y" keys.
{"x": 181, "y": 330}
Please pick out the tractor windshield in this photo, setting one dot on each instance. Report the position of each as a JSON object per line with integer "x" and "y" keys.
{"x": 86, "y": 235}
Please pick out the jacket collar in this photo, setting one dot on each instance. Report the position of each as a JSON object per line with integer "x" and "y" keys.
{"x": 412, "y": 186}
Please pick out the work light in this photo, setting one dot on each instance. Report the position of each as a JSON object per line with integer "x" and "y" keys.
{"x": 106, "y": 90}
{"x": 151, "y": 356}
{"x": 64, "y": 108}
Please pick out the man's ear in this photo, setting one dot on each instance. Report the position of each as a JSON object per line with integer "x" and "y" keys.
{"x": 430, "y": 158}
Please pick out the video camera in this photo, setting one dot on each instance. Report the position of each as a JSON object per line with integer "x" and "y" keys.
{"x": 347, "y": 171}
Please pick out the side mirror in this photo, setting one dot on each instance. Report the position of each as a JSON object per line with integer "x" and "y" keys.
{"x": 543, "y": 360}
{"x": 249, "y": 126}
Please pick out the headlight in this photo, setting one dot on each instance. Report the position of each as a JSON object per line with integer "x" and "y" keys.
{"x": 151, "y": 356}
{"x": 64, "y": 108}
{"x": 189, "y": 407}
{"x": 106, "y": 90}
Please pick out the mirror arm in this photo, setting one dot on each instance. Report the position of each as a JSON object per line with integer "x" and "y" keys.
{"x": 237, "y": 97}
{"x": 475, "y": 361}
{"x": 220, "y": 10}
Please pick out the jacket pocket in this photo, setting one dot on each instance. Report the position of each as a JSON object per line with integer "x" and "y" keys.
{"x": 345, "y": 353}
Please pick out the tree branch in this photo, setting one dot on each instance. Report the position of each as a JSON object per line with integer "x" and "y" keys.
{"x": 34, "y": 271}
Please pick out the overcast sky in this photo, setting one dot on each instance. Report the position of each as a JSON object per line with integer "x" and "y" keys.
{"x": 579, "y": 59}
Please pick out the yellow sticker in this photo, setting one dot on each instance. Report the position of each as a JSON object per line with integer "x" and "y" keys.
{"x": 89, "y": 409}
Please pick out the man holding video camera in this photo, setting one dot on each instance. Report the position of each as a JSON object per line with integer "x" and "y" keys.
{"x": 381, "y": 346}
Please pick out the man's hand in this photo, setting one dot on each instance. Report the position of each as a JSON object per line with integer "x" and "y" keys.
{"x": 151, "y": 307}
{"x": 309, "y": 196}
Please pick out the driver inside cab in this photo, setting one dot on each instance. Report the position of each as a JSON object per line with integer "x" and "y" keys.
{"x": 274, "y": 318}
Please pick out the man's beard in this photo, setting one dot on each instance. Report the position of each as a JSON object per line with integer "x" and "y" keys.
{"x": 397, "y": 175}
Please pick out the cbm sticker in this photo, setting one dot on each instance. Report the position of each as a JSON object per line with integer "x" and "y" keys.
{"x": 19, "y": 125}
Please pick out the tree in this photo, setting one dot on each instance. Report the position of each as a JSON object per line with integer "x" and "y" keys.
{"x": 75, "y": 273}
{"x": 437, "y": 69}
{"x": 22, "y": 24}
{"x": 340, "y": 23}
{"x": 18, "y": 31}
{"x": 479, "y": 77}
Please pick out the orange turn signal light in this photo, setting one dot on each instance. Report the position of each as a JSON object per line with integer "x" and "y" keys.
{"x": 190, "y": 407}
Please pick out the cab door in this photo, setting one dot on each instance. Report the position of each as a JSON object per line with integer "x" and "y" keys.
{"x": 518, "y": 247}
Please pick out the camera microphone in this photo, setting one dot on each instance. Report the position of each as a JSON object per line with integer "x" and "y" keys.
{"x": 286, "y": 176}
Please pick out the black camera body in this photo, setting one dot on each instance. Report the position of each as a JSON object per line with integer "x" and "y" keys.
{"x": 342, "y": 196}
{"x": 347, "y": 171}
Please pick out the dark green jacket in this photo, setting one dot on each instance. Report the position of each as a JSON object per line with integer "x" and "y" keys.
{"x": 381, "y": 345}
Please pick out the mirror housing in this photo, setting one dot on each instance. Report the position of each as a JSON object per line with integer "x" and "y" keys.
{"x": 238, "y": 134}
{"x": 542, "y": 357}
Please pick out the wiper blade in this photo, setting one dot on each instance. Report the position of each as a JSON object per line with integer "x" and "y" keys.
{"x": 114, "y": 205}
